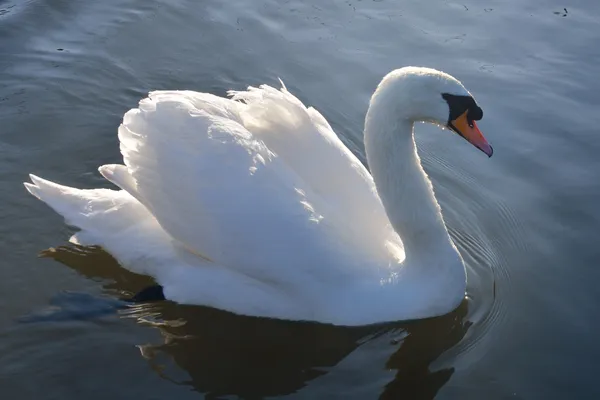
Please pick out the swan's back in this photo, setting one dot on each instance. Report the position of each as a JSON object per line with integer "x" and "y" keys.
{"x": 220, "y": 190}
{"x": 300, "y": 135}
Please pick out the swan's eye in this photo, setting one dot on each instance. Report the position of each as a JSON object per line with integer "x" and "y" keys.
{"x": 469, "y": 119}
{"x": 458, "y": 105}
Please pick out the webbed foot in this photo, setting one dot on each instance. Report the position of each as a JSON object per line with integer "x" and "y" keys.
{"x": 151, "y": 293}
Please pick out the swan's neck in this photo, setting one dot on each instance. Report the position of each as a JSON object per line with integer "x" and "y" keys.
{"x": 403, "y": 185}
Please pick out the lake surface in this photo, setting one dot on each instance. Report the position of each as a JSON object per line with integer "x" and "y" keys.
{"x": 526, "y": 221}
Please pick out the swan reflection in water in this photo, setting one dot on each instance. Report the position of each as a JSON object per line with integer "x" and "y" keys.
{"x": 226, "y": 354}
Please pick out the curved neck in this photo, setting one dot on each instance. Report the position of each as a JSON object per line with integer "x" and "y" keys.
{"x": 402, "y": 184}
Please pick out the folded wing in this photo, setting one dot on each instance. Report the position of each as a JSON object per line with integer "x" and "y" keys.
{"x": 221, "y": 192}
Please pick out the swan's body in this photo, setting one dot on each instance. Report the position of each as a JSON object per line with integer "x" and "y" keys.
{"x": 258, "y": 208}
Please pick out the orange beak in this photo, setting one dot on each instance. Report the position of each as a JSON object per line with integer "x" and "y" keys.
{"x": 469, "y": 130}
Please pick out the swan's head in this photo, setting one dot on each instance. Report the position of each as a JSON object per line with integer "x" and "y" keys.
{"x": 428, "y": 95}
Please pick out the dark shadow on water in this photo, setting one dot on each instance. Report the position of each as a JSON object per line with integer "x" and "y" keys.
{"x": 225, "y": 354}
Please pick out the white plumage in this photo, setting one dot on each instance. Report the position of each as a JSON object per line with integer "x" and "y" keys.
{"x": 254, "y": 205}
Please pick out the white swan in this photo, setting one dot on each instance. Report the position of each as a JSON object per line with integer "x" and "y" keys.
{"x": 253, "y": 204}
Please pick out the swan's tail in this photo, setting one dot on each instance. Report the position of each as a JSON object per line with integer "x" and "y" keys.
{"x": 97, "y": 212}
{"x": 113, "y": 219}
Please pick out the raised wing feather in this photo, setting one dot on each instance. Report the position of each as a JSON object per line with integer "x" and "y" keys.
{"x": 222, "y": 193}
{"x": 305, "y": 140}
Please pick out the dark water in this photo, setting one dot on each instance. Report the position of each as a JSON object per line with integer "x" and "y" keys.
{"x": 526, "y": 220}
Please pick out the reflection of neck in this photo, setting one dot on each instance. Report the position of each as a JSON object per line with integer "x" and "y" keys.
{"x": 402, "y": 184}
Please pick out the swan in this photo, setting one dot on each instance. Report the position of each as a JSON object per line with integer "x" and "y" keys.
{"x": 251, "y": 203}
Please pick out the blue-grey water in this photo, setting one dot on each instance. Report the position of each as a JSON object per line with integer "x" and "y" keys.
{"x": 526, "y": 220}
